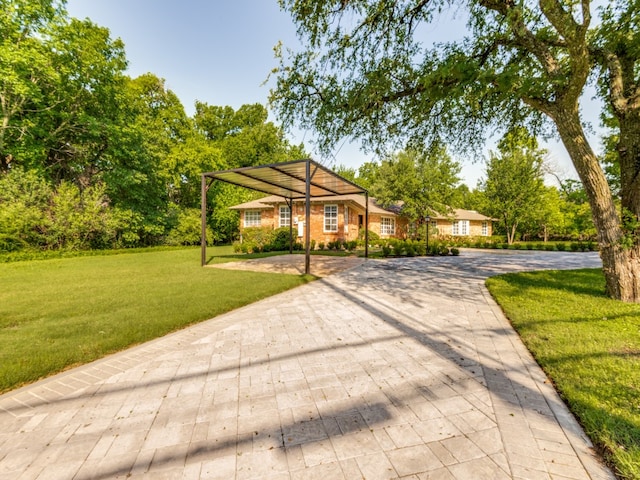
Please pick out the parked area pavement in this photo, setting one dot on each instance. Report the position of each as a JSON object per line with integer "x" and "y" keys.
{"x": 399, "y": 368}
{"x": 319, "y": 265}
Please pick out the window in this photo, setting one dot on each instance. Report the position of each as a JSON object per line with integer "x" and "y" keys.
{"x": 285, "y": 216}
{"x": 252, "y": 218}
{"x": 485, "y": 228}
{"x": 330, "y": 218}
{"x": 460, "y": 227}
{"x": 387, "y": 226}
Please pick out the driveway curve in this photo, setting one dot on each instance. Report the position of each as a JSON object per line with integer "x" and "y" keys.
{"x": 398, "y": 368}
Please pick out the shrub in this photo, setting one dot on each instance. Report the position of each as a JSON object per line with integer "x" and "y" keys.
{"x": 574, "y": 246}
{"x": 321, "y": 245}
{"x": 410, "y": 249}
{"x": 188, "y": 229}
{"x": 529, "y": 246}
{"x": 257, "y": 238}
{"x": 561, "y": 247}
{"x": 351, "y": 245}
{"x": 443, "y": 250}
{"x": 455, "y": 251}
{"x": 517, "y": 246}
{"x": 312, "y": 244}
{"x": 279, "y": 240}
{"x": 386, "y": 250}
{"x": 549, "y": 247}
{"x": 374, "y": 238}
{"x": 398, "y": 248}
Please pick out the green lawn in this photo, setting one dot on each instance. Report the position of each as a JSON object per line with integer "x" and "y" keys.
{"x": 58, "y": 313}
{"x": 589, "y": 346}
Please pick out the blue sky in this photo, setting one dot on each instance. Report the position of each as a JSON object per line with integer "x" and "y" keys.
{"x": 220, "y": 52}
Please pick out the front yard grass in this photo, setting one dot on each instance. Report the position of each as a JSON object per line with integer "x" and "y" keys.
{"x": 59, "y": 313}
{"x": 589, "y": 345}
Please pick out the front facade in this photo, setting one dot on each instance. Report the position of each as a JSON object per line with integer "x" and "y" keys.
{"x": 331, "y": 219}
{"x": 342, "y": 218}
{"x": 462, "y": 223}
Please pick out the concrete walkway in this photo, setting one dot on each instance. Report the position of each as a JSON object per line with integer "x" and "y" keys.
{"x": 403, "y": 368}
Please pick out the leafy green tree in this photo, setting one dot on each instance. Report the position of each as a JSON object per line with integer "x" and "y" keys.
{"x": 514, "y": 181}
{"x": 424, "y": 181}
{"x": 26, "y": 69}
{"x": 368, "y": 71}
{"x": 576, "y": 211}
{"x": 546, "y": 218}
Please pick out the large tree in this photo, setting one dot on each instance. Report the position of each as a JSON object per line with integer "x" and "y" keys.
{"x": 369, "y": 72}
{"x": 423, "y": 181}
{"x": 514, "y": 182}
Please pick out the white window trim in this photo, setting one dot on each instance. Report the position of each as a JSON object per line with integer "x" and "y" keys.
{"x": 254, "y": 222}
{"x": 485, "y": 228}
{"x": 460, "y": 228}
{"x": 324, "y": 220}
{"x": 389, "y": 229}
{"x": 284, "y": 208}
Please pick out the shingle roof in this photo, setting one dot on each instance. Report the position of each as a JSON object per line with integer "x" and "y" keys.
{"x": 461, "y": 214}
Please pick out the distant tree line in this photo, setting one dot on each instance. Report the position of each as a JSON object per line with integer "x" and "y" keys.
{"x": 512, "y": 191}
{"x": 91, "y": 158}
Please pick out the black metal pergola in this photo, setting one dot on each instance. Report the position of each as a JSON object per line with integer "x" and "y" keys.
{"x": 294, "y": 180}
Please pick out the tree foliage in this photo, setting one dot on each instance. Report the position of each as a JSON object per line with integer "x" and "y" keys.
{"x": 423, "y": 182}
{"x": 514, "y": 183}
{"x": 91, "y": 158}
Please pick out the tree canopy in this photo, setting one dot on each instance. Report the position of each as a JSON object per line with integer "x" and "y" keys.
{"x": 97, "y": 159}
{"x": 514, "y": 185}
{"x": 369, "y": 70}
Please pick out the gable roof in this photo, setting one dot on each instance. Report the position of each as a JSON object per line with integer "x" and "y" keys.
{"x": 270, "y": 201}
{"x": 462, "y": 214}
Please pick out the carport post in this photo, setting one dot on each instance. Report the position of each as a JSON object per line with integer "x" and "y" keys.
{"x": 366, "y": 224}
{"x": 203, "y": 219}
{"x": 307, "y": 217}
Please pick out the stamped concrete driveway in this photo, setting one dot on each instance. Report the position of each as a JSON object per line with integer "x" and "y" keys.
{"x": 403, "y": 368}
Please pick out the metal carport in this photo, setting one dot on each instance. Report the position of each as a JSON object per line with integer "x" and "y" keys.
{"x": 292, "y": 180}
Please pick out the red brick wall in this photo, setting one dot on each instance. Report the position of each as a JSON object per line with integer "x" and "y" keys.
{"x": 270, "y": 217}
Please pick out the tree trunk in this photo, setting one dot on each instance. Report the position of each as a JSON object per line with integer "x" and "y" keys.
{"x": 620, "y": 262}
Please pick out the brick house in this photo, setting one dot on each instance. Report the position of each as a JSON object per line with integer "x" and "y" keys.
{"x": 341, "y": 218}
{"x": 332, "y": 218}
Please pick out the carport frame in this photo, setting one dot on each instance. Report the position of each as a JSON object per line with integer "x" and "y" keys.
{"x": 286, "y": 180}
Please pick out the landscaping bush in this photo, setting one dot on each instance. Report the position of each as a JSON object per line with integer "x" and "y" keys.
{"x": 561, "y": 247}
{"x": 256, "y": 238}
{"x": 455, "y": 251}
{"x": 549, "y": 247}
{"x": 321, "y": 245}
{"x": 529, "y": 246}
{"x": 410, "y": 249}
{"x": 386, "y": 250}
{"x": 374, "y": 238}
{"x": 398, "y": 248}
